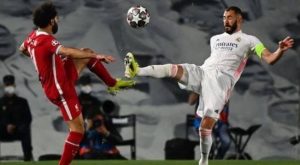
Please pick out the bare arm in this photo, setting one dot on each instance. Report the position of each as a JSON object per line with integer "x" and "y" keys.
{"x": 283, "y": 46}
{"x": 23, "y": 50}
{"x": 82, "y": 54}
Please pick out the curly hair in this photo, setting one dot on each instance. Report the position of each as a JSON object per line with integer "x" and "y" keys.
{"x": 43, "y": 14}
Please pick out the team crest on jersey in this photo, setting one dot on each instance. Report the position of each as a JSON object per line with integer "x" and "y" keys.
{"x": 238, "y": 39}
{"x": 54, "y": 42}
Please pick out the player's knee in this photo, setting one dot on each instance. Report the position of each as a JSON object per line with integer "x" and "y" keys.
{"x": 173, "y": 70}
{"x": 176, "y": 71}
{"x": 81, "y": 128}
{"x": 179, "y": 73}
{"x": 77, "y": 126}
{"x": 208, "y": 122}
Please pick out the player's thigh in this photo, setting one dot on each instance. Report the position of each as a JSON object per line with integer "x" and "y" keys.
{"x": 68, "y": 102}
{"x": 190, "y": 77}
{"x": 213, "y": 102}
{"x": 179, "y": 73}
{"x": 71, "y": 71}
{"x": 216, "y": 90}
{"x": 80, "y": 64}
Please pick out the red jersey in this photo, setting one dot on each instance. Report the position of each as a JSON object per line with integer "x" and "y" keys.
{"x": 56, "y": 73}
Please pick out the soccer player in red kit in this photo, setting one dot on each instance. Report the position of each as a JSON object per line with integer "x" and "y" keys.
{"x": 58, "y": 68}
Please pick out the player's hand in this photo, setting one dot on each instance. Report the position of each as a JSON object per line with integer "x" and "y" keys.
{"x": 286, "y": 43}
{"x": 106, "y": 58}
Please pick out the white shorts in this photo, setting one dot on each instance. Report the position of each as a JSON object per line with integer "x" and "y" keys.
{"x": 213, "y": 86}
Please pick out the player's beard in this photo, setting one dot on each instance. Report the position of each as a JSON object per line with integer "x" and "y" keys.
{"x": 54, "y": 28}
{"x": 231, "y": 29}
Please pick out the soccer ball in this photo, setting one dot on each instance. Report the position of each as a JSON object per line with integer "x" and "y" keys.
{"x": 138, "y": 16}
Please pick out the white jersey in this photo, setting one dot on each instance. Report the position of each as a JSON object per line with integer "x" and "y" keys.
{"x": 229, "y": 53}
{"x": 215, "y": 79}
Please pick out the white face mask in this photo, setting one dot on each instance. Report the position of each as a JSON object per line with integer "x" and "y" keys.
{"x": 9, "y": 90}
{"x": 86, "y": 89}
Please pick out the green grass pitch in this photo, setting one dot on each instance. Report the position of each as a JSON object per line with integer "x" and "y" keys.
{"x": 161, "y": 162}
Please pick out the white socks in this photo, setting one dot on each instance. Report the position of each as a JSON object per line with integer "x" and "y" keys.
{"x": 205, "y": 145}
{"x": 158, "y": 71}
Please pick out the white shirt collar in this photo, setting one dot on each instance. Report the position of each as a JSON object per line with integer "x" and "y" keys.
{"x": 40, "y": 32}
{"x": 238, "y": 32}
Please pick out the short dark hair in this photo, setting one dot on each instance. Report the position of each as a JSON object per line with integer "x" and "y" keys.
{"x": 43, "y": 14}
{"x": 237, "y": 10}
{"x": 9, "y": 80}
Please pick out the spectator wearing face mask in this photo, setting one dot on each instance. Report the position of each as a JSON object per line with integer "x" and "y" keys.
{"x": 15, "y": 117}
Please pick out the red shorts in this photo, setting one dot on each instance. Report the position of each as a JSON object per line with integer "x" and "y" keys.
{"x": 68, "y": 101}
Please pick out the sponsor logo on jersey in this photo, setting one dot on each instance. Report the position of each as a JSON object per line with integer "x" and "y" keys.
{"x": 226, "y": 45}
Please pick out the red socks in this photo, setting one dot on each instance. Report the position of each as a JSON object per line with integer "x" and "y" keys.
{"x": 96, "y": 66}
{"x": 71, "y": 148}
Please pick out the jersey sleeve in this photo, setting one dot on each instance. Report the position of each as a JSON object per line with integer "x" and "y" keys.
{"x": 256, "y": 46}
{"x": 52, "y": 45}
{"x": 26, "y": 41}
{"x": 24, "y": 47}
{"x": 212, "y": 40}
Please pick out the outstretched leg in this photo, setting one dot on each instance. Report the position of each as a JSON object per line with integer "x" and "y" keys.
{"x": 96, "y": 66}
{"x": 132, "y": 69}
{"x": 205, "y": 131}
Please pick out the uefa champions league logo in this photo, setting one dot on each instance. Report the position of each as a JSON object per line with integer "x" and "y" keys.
{"x": 54, "y": 42}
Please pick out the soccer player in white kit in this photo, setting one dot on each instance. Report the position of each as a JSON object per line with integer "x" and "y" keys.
{"x": 215, "y": 79}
